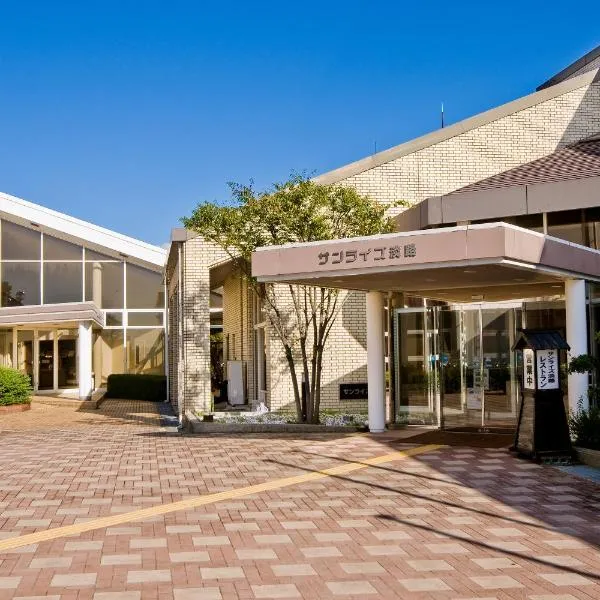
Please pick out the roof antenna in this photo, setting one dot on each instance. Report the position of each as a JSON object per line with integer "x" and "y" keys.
{"x": 375, "y": 147}
{"x": 442, "y": 115}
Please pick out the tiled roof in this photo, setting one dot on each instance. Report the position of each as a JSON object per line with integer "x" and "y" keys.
{"x": 572, "y": 162}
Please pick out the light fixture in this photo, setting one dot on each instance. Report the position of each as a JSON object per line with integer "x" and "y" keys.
{"x": 34, "y": 224}
{"x": 518, "y": 279}
{"x": 469, "y": 271}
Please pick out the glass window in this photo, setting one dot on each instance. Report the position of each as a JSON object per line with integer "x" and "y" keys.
{"x": 104, "y": 284}
{"x": 56, "y": 249}
{"x": 145, "y": 351}
{"x": 25, "y": 353}
{"x": 93, "y": 255}
{"x": 19, "y": 243}
{"x": 567, "y": 225}
{"x": 114, "y": 319}
{"x": 144, "y": 319}
{"x": 144, "y": 288}
{"x": 20, "y": 284}
{"x": 6, "y": 347}
{"x": 108, "y": 354}
{"x": 63, "y": 282}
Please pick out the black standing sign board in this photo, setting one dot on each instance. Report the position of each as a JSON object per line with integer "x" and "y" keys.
{"x": 542, "y": 428}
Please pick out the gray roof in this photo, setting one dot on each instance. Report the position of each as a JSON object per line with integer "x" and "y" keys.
{"x": 577, "y": 161}
{"x": 580, "y": 66}
{"x": 541, "y": 339}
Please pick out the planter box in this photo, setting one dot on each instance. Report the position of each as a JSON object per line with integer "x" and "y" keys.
{"x": 195, "y": 425}
{"x": 14, "y": 408}
{"x": 588, "y": 457}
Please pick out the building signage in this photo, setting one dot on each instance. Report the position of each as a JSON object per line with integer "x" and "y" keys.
{"x": 354, "y": 391}
{"x": 367, "y": 255}
{"x": 547, "y": 369}
{"x": 528, "y": 372}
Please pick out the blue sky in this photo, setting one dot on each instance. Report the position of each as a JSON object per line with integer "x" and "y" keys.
{"x": 129, "y": 113}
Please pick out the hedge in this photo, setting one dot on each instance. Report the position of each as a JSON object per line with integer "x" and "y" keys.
{"x": 137, "y": 387}
{"x": 15, "y": 387}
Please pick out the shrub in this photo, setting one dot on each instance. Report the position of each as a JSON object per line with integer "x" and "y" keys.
{"x": 15, "y": 387}
{"x": 585, "y": 427}
{"x": 137, "y": 387}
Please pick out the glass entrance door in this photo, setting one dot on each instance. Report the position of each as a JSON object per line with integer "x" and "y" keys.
{"x": 67, "y": 363}
{"x": 455, "y": 367}
{"x": 46, "y": 365}
{"x": 417, "y": 381}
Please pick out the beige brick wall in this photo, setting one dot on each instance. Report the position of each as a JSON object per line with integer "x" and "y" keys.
{"x": 238, "y": 329}
{"x": 344, "y": 359}
{"x": 192, "y": 384}
{"x": 487, "y": 150}
{"x": 435, "y": 170}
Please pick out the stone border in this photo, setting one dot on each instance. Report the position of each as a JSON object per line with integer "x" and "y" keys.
{"x": 195, "y": 425}
{"x": 588, "y": 457}
{"x": 14, "y": 408}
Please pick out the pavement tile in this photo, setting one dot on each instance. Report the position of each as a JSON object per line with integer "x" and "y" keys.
{"x": 282, "y": 590}
{"x": 351, "y": 588}
{"x": 206, "y": 593}
{"x": 149, "y": 576}
{"x": 424, "y": 585}
{"x": 448, "y": 534}
{"x": 76, "y": 580}
{"x": 294, "y": 570}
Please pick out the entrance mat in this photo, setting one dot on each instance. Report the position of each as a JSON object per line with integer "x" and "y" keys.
{"x": 454, "y": 438}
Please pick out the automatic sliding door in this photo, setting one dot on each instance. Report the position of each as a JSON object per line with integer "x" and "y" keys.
{"x": 416, "y": 385}
{"x": 463, "y": 377}
{"x": 498, "y": 334}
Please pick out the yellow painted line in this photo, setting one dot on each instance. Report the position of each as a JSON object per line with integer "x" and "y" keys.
{"x": 163, "y": 509}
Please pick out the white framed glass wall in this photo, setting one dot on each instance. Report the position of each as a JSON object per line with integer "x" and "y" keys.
{"x": 454, "y": 365}
{"x": 37, "y": 268}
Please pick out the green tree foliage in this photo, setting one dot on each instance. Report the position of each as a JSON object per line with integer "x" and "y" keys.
{"x": 15, "y": 387}
{"x": 297, "y": 210}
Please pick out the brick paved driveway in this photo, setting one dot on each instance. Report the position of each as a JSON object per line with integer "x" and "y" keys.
{"x": 444, "y": 524}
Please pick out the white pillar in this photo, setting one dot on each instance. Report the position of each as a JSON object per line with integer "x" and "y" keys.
{"x": 97, "y": 284}
{"x": 376, "y": 361}
{"x": 577, "y": 338}
{"x": 84, "y": 359}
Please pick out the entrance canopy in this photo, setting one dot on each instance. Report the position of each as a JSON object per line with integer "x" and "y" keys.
{"x": 489, "y": 262}
{"x": 52, "y": 314}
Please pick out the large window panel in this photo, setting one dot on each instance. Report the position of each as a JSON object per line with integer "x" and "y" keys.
{"x": 108, "y": 354}
{"x": 146, "y": 351}
{"x": 6, "y": 347}
{"x": 56, "y": 249}
{"x": 144, "y": 319}
{"x": 144, "y": 288}
{"x": 20, "y": 284}
{"x": 104, "y": 284}
{"x": 19, "y": 243}
{"x": 63, "y": 282}
{"x": 93, "y": 255}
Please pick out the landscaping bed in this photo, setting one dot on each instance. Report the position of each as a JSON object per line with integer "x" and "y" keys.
{"x": 273, "y": 423}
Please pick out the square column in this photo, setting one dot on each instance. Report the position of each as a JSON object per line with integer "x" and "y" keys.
{"x": 577, "y": 338}
{"x": 84, "y": 360}
{"x": 376, "y": 361}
